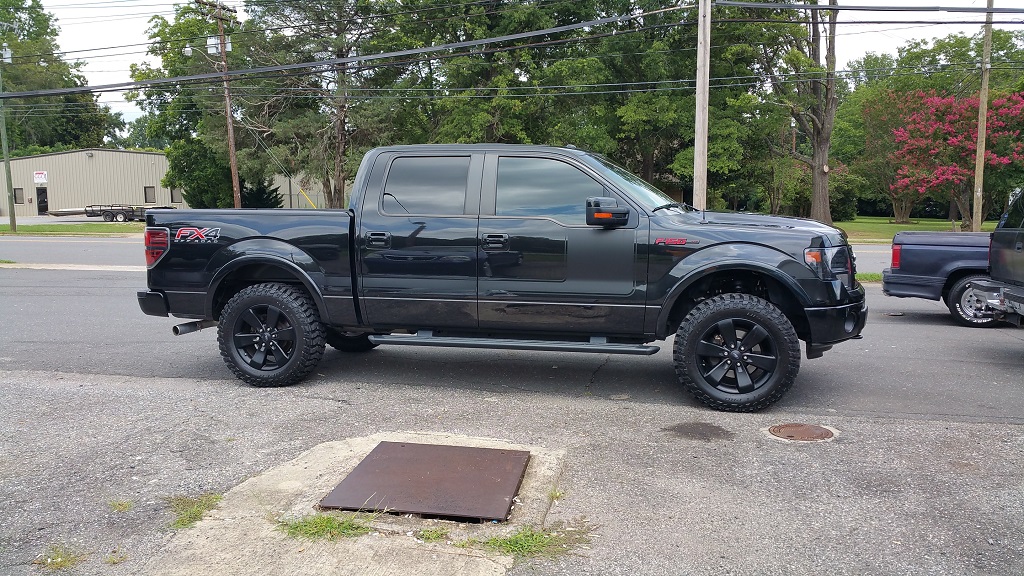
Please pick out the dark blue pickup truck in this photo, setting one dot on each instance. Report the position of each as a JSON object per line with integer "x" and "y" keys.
{"x": 940, "y": 265}
{"x": 509, "y": 247}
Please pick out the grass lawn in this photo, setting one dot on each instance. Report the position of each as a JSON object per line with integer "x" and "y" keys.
{"x": 879, "y": 229}
{"x": 89, "y": 229}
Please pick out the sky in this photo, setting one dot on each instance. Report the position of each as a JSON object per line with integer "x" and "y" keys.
{"x": 99, "y": 32}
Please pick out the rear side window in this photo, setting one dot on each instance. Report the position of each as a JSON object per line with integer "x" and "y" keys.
{"x": 543, "y": 187}
{"x": 426, "y": 185}
{"x": 1014, "y": 217}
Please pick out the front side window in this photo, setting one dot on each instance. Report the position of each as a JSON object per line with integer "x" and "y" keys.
{"x": 426, "y": 185}
{"x": 544, "y": 187}
{"x": 19, "y": 195}
{"x": 150, "y": 194}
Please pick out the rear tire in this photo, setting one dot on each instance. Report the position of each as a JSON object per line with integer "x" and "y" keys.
{"x": 964, "y": 307}
{"x": 121, "y": 217}
{"x": 348, "y": 342}
{"x": 737, "y": 353}
{"x": 271, "y": 335}
{"x": 108, "y": 216}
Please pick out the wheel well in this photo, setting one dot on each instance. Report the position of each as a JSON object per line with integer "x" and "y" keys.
{"x": 741, "y": 282}
{"x": 249, "y": 275}
{"x": 955, "y": 277}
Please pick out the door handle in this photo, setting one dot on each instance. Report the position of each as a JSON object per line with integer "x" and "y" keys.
{"x": 378, "y": 239}
{"x": 494, "y": 241}
{"x": 1020, "y": 246}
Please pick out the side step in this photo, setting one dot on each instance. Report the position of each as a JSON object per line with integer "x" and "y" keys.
{"x": 598, "y": 344}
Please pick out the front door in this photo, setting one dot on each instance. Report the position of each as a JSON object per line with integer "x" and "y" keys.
{"x": 42, "y": 202}
{"x": 418, "y": 249}
{"x": 546, "y": 270}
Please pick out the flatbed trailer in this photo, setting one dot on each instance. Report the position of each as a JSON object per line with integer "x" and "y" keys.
{"x": 119, "y": 212}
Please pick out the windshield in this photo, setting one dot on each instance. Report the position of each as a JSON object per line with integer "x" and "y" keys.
{"x": 643, "y": 192}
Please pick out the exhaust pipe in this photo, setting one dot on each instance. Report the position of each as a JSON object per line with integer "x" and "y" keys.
{"x": 189, "y": 327}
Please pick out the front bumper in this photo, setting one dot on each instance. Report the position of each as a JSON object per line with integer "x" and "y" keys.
{"x": 152, "y": 303}
{"x": 833, "y": 324}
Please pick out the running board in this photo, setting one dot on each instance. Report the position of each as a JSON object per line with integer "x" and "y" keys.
{"x": 597, "y": 344}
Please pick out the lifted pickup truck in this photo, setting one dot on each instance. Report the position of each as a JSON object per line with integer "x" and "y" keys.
{"x": 1004, "y": 293}
{"x": 941, "y": 265}
{"x": 514, "y": 247}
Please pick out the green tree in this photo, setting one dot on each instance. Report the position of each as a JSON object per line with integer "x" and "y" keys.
{"x": 53, "y": 122}
{"x": 196, "y": 169}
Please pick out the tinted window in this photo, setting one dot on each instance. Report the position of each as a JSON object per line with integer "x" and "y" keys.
{"x": 543, "y": 187}
{"x": 426, "y": 185}
{"x": 1014, "y": 217}
{"x": 150, "y": 193}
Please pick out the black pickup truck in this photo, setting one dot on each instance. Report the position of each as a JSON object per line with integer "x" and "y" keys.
{"x": 941, "y": 265}
{"x": 514, "y": 247}
{"x": 1003, "y": 294}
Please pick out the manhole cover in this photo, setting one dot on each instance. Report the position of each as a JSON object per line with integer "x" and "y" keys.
{"x": 435, "y": 480}
{"x": 801, "y": 432}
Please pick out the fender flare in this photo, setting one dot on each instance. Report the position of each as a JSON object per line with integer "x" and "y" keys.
{"x": 292, "y": 262}
{"x": 693, "y": 275}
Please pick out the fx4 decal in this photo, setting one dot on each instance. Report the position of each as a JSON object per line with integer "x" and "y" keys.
{"x": 674, "y": 241}
{"x": 197, "y": 235}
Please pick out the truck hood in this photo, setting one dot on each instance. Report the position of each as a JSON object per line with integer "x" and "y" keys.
{"x": 764, "y": 223}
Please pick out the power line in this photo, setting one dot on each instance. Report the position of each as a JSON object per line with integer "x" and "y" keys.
{"x": 339, "y": 61}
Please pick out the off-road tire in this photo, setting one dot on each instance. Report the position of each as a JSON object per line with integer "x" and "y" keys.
{"x": 349, "y": 342}
{"x": 959, "y": 303}
{"x": 747, "y": 332}
{"x": 283, "y": 320}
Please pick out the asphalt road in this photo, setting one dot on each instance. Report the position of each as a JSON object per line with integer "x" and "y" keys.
{"x": 99, "y": 402}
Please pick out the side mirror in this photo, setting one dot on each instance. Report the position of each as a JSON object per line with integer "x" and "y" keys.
{"x": 605, "y": 211}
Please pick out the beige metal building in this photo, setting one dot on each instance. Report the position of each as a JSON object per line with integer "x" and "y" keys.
{"x": 75, "y": 179}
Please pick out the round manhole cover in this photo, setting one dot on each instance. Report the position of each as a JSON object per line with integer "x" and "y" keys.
{"x": 801, "y": 432}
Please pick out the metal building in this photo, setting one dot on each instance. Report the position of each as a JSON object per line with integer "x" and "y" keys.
{"x": 75, "y": 179}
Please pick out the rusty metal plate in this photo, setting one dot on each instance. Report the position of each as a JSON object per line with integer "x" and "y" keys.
{"x": 435, "y": 480}
{"x": 801, "y": 432}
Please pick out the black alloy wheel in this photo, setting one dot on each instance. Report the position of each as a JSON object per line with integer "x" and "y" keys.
{"x": 271, "y": 335}
{"x": 736, "y": 352}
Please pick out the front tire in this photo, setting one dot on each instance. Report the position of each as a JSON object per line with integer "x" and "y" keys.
{"x": 121, "y": 217}
{"x": 736, "y": 353}
{"x": 271, "y": 335}
{"x": 964, "y": 307}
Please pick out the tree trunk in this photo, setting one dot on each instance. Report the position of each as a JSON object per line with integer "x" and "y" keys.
{"x": 821, "y": 209}
{"x": 901, "y": 208}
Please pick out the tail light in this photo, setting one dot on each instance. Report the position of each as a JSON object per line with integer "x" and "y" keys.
{"x": 896, "y": 248}
{"x": 157, "y": 241}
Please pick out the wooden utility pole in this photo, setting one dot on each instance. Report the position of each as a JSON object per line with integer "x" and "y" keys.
{"x": 217, "y": 11}
{"x": 5, "y": 57}
{"x": 979, "y": 155}
{"x": 700, "y": 144}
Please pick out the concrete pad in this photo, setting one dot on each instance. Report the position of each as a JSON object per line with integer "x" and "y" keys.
{"x": 241, "y": 536}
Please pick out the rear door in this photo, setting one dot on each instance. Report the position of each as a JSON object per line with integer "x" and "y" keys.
{"x": 1007, "y": 257}
{"x": 417, "y": 244}
{"x": 545, "y": 269}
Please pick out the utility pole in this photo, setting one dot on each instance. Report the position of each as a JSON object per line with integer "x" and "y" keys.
{"x": 979, "y": 155}
{"x": 217, "y": 11}
{"x": 6, "y": 58}
{"x": 700, "y": 138}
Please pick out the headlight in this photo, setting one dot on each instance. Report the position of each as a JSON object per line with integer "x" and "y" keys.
{"x": 835, "y": 263}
